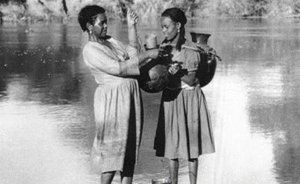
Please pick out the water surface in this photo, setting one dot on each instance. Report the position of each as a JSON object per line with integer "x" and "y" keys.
{"x": 46, "y": 96}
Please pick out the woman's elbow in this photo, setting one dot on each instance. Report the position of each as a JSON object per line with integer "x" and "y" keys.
{"x": 122, "y": 72}
{"x": 119, "y": 71}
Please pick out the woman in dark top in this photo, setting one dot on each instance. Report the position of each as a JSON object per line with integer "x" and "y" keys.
{"x": 184, "y": 126}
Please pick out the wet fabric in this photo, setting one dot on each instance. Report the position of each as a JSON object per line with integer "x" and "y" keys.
{"x": 117, "y": 107}
{"x": 118, "y": 125}
{"x": 184, "y": 127}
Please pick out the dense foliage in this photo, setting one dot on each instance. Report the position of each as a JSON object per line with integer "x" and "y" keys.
{"x": 29, "y": 10}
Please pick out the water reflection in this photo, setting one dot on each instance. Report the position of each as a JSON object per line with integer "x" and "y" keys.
{"x": 280, "y": 113}
{"x": 50, "y": 67}
{"x": 46, "y": 130}
{"x": 258, "y": 103}
{"x": 46, "y": 104}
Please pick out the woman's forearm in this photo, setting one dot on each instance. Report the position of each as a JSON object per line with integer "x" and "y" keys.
{"x": 143, "y": 58}
{"x": 132, "y": 36}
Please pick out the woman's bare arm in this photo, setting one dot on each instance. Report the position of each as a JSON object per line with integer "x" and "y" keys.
{"x": 132, "y": 20}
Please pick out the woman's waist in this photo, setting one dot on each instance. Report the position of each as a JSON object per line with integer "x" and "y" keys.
{"x": 118, "y": 81}
{"x": 182, "y": 85}
{"x": 106, "y": 79}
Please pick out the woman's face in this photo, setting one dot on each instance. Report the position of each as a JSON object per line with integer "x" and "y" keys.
{"x": 169, "y": 28}
{"x": 100, "y": 26}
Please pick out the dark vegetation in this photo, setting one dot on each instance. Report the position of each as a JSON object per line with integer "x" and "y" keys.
{"x": 35, "y": 10}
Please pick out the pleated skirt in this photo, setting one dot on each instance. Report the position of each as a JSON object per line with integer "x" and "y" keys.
{"x": 118, "y": 117}
{"x": 184, "y": 127}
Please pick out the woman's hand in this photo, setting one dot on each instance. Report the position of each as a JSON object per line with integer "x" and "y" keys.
{"x": 174, "y": 68}
{"x": 132, "y": 17}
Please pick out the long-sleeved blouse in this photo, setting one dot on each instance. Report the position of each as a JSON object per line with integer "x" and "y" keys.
{"x": 111, "y": 67}
{"x": 117, "y": 104}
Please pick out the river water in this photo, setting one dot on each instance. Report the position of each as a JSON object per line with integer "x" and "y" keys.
{"x": 46, "y": 96}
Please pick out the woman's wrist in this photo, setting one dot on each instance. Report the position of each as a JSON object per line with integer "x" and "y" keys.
{"x": 147, "y": 55}
{"x": 142, "y": 57}
{"x": 131, "y": 25}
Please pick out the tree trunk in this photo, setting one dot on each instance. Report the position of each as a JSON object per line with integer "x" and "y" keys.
{"x": 65, "y": 6}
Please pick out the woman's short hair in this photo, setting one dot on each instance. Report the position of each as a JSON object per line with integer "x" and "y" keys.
{"x": 87, "y": 15}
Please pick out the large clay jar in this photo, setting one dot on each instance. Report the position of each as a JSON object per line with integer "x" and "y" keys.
{"x": 207, "y": 67}
{"x": 154, "y": 76}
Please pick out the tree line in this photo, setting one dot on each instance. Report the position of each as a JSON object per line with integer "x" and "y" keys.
{"x": 65, "y": 9}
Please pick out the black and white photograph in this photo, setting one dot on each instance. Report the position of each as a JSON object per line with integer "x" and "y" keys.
{"x": 149, "y": 92}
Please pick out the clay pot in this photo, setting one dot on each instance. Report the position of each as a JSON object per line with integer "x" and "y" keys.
{"x": 154, "y": 76}
{"x": 200, "y": 38}
{"x": 207, "y": 67}
{"x": 151, "y": 41}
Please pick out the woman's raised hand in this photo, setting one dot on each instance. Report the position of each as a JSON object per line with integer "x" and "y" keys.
{"x": 132, "y": 17}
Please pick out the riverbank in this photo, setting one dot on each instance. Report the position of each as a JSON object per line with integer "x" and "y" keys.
{"x": 66, "y": 10}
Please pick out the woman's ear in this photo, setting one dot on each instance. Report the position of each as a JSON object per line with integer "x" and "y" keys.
{"x": 89, "y": 26}
{"x": 178, "y": 25}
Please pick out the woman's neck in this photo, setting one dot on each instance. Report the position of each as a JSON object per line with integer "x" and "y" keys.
{"x": 103, "y": 40}
{"x": 172, "y": 41}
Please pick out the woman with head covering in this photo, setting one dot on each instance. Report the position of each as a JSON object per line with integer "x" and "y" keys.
{"x": 184, "y": 128}
{"x": 117, "y": 100}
